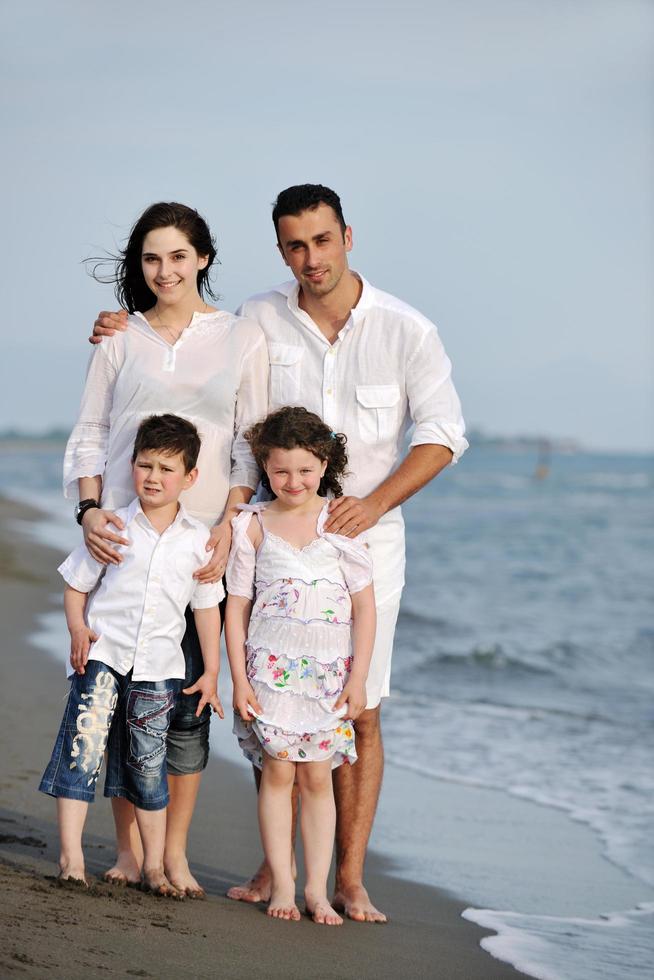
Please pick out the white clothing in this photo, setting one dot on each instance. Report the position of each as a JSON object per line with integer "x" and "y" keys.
{"x": 216, "y": 376}
{"x": 299, "y": 648}
{"x": 138, "y": 607}
{"x": 386, "y": 370}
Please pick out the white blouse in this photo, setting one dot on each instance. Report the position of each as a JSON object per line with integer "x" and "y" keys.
{"x": 215, "y": 375}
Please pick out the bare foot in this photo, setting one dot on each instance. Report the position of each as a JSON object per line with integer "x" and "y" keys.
{"x": 282, "y": 905}
{"x": 72, "y": 872}
{"x": 321, "y": 911}
{"x": 180, "y": 877}
{"x": 257, "y": 889}
{"x": 156, "y": 883}
{"x": 355, "y": 903}
{"x": 126, "y": 870}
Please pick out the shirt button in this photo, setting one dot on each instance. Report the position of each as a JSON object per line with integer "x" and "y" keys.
{"x": 329, "y": 391}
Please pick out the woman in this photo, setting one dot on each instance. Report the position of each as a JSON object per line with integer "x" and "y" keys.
{"x": 183, "y": 356}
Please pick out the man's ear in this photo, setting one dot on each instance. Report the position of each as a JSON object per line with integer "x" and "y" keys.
{"x": 348, "y": 239}
{"x": 190, "y": 478}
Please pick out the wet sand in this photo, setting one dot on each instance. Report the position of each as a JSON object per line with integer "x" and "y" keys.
{"x": 66, "y": 932}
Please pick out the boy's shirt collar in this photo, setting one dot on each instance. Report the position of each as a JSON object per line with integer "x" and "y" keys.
{"x": 135, "y": 512}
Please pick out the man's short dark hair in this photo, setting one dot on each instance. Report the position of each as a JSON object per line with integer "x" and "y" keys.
{"x": 306, "y": 197}
{"x": 171, "y": 435}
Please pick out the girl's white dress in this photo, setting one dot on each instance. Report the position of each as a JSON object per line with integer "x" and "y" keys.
{"x": 299, "y": 650}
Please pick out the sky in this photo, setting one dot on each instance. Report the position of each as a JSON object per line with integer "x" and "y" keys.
{"x": 495, "y": 159}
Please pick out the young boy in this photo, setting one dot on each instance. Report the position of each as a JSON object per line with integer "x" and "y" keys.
{"x": 126, "y": 654}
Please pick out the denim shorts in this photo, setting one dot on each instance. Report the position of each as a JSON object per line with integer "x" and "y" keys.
{"x": 188, "y": 736}
{"x": 130, "y": 718}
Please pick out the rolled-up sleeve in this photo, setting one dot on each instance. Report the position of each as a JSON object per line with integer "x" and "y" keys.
{"x": 241, "y": 566}
{"x": 80, "y": 570}
{"x": 86, "y": 450}
{"x": 433, "y": 402}
{"x": 251, "y": 406}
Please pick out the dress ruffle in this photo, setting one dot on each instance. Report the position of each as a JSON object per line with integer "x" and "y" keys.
{"x": 309, "y": 677}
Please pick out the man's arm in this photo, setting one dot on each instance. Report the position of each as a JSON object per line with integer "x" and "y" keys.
{"x": 352, "y": 515}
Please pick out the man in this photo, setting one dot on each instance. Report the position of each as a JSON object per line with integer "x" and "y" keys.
{"x": 370, "y": 366}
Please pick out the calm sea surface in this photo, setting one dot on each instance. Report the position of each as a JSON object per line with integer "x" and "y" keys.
{"x": 524, "y": 654}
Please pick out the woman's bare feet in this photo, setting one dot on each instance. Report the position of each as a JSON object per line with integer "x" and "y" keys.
{"x": 282, "y": 904}
{"x": 355, "y": 903}
{"x": 156, "y": 883}
{"x": 321, "y": 911}
{"x": 180, "y": 877}
{"x": 126, "y": 870}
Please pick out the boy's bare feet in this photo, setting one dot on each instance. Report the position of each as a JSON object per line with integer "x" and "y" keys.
{"x": 355, "y": 903}
{"x": 257, "y": 889}
{"x": 282, "y": 904}
{"x": 126, "y": 870}
{"x": 321, "y": 911}
{"x": 156, "y": 883}
{"x": 180, "y": 877}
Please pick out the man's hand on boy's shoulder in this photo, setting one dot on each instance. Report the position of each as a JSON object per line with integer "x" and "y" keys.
{"x": 81, "y": 638}
{"x": 107, "y": 323}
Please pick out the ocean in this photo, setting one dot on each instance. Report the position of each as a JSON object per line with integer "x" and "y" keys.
{"x": 523, "y": 665}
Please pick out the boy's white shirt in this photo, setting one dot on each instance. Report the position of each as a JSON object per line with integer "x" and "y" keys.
{"x": 138, "y": 607}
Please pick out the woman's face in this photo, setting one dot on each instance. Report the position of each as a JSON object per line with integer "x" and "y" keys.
{"x": 170, "y": 265}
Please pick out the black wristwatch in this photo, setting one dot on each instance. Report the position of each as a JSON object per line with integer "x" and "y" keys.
{"x": 82, "y": 508}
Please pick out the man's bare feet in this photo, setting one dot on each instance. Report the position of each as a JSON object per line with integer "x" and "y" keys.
{"x": 126, "y": 870}
{"x": 355, "y": 903}
{"x": 321, "y": 911}
{"x": 282, "y": 904}
{"x": 257, "y": 889}
{"x": 180, "y": 877}
{"x": 156, "y": 883}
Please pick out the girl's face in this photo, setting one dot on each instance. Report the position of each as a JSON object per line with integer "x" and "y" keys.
{"x": 294, "y": 475}
{"x": 170, "y": 265}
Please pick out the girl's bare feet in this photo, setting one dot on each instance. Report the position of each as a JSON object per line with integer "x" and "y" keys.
{"x": 282, "y": 905}
{"x": 126, "y": 870}
{"x": 321, "y": 911}
{"x": 72, "y": 872}
{"x": 180, "y": 877}
{"x": 155, "y": 881}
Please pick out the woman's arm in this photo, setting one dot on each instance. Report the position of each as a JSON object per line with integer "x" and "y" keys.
{"x": 364, "y": 625}
{"x": 221, "y": 537}
{"x": 237, "y": 620}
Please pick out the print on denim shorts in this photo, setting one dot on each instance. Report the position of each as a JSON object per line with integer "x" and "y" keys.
{"x": 148, "y": 716}
{"x": 93, "y": 722}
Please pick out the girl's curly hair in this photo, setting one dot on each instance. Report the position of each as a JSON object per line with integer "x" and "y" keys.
{"x": 293, "y": 427}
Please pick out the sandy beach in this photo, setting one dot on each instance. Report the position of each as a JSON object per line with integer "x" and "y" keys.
{"x": 64, "y": 932}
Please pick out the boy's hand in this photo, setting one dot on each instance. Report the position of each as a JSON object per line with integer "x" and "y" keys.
{"x": 219, "y": 542}
{"x": 81, "y": 639}
{"x": 244, "y": 699}
{"x": 207, "y": 686}
{"x": 354, "y": 693}
{"x": 95, "y": 525}
{"x": 106, "y": 325}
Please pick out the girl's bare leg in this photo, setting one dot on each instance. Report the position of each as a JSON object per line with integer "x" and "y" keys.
{"x": 318, "y": 825}
{"x": 152, "y": 827}
{"x": 183, "y": 795}
{"x": 71, "y": 817}
{"x": 129, "y": 849}
{"x": 275, "y": 819}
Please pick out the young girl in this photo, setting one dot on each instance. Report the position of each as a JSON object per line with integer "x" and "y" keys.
{"x": 300, "y": 626}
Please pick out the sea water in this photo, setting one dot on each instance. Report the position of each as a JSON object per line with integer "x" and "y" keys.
{"x": 523, "y": 661}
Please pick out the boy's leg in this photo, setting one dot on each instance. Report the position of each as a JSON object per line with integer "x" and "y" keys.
{"x": 71, "y": 817}
{"x": 275, "y": 817}
{"x": 188, "y": 753}
{"x": 152, "y": 827}
{"x": 127, "y": 867}
{"x": 318, "y": 823}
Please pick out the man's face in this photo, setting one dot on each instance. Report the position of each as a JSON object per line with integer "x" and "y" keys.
{"x": 315, "y": 248}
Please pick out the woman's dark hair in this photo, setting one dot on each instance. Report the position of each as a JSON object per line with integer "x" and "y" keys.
{"x": 296, "y": 428}
{"x": 171, "y": 435}
{"x": 127, "y": 277}
{"x": 306, "y": 197}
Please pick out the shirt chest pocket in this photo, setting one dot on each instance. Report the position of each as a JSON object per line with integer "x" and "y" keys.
{"x": 285, "y": 374}
{"x": 377, "y": 411}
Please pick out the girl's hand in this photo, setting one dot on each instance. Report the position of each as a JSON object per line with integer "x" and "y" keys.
{"x": 95, "y": 524}
{"x": 81, "y": 639}
{"x": 219, "y": 543}
{"x": 244, "y": 699}
{"x": 206, "y": 684}
{"x": 354, "y": 694}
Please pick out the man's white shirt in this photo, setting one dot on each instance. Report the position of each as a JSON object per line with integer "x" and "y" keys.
{"x": 138, "y": 607}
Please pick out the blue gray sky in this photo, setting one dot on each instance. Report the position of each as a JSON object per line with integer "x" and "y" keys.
{"x": 494, "y": 158}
